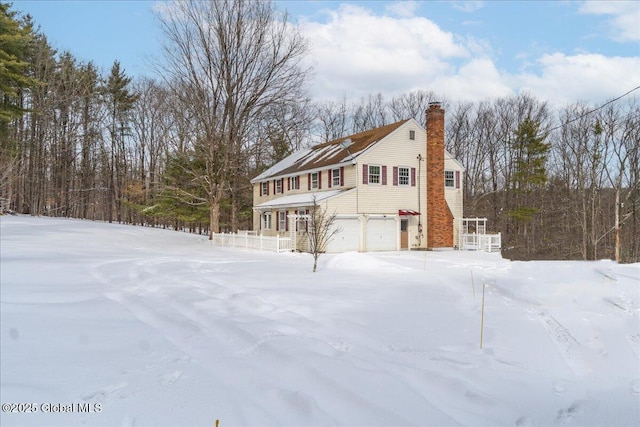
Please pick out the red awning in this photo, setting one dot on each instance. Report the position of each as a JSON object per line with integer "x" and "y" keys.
{"x": 407, "y": 212}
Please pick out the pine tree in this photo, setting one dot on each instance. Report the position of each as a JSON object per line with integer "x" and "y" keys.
{"x": 120, "y": 101}
{"x": 530, "y": 152}
{"x": 16, "y": 38}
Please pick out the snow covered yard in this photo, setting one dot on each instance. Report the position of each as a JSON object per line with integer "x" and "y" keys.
{"x": 105, "y": 324}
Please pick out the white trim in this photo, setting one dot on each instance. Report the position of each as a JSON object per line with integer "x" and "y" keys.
{"x": 317, "y": 174}
{"x": 369, "y": 166}
{"x": 292, "y": 181}
{"x": 408, "y": 184}
{"x": 457, "y": 162}
{"x": 333, "y": 183}
{"x": 300, "y": 200}
{"x": 453, "y": 179}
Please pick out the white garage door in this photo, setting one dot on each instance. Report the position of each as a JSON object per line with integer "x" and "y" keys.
{"x": 348, "y": 239}
{"x": 382, "y": 234}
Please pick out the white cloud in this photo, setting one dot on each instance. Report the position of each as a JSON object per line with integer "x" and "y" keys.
{"x": 476, "y": 80}
{"x": 403, "y": 9}
{"x": 468, "y": 6}
{"x": 357, "y": 53}
{"x": 590, "y": 77}
{"x": 625, "y": 17}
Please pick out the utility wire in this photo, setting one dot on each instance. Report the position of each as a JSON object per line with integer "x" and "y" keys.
{"x": 593, "y": 111}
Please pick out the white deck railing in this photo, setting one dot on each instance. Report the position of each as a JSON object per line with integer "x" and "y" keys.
{"x": 481, "y": 242}
{"x": 248, "y": 241}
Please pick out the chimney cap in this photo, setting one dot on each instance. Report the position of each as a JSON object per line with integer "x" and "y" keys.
{"x": 435, "y": 104}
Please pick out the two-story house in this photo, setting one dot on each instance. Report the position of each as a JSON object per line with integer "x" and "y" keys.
{"x": 390, "y": 188}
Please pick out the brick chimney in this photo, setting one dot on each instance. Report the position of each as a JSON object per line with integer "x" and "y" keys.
{"x": 439, "y": 216}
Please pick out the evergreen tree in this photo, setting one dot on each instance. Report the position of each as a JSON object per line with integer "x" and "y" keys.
{"x": 182, "y": 200}
{"x": 120, "y": 101}
{"x": 16, "y": 38}
{"x": 530, "y": 153}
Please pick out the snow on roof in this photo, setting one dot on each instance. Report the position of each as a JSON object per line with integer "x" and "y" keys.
{"x": 299, "y": 200}
{"x": 329, "y": 153}
{"x": 282, "y": 164}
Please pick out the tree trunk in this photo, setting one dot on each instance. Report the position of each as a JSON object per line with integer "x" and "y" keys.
{"x": 617, "y": 224}
{"x": 214, "y": 217}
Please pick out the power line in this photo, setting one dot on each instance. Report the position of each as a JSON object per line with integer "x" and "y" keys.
{"x": 593, "y": 111}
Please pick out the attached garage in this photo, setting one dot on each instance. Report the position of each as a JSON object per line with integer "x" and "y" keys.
{"x": 382, "y": 234}
{"x": 348, "y": 239}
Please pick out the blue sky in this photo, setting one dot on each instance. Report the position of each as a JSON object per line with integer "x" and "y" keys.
{"x": 466, "y": 50}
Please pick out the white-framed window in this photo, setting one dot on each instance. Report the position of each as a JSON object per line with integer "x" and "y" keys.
{"x": 404, "y": 177}
{"x": 266, "y": 221}
{"x": 374, "y": 174}
{"x": 335, "y": 177}
{"x": 282, "y": 220}
{"x": 295, "y": 182}
{"x": 449, "y": 179}
{"x": 265, "y": 189}
{"x": 302, "y": 221}
{"x": 412, "y": 135}
{"x": 278, "y": 186}
{"x": 315, "y": 182}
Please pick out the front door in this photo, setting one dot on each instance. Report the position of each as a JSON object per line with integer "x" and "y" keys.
{"x": 404, "y": 234}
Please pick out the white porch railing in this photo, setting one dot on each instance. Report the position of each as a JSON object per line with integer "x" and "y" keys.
{"x": 481, "y": 242}
{"x": 474, "y": 237}
{"x": 248, "y": 241}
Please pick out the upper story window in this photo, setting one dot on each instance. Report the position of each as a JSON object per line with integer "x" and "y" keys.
{"x": 335, "y": 177}
{"x": 264, "y": 191}
{"x": 403, "y": 176}
{"x": 374, "y": 174}
{"x": 295, "y": 182}
{"x": 315, "y": 180}
{"x": 449, "y": 179}
{"x": 412, "y": 135}
{"x": 278, "y": 186}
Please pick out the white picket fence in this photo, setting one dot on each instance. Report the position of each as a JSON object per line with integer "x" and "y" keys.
{"x": 249, "y": 240}
{"x": 481, "y": 242}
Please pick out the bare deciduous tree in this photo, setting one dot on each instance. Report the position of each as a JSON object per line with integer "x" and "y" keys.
{"x": 321, "y": 231}
{"x": 333, "y": 118}
{"x": 228, "y": 61}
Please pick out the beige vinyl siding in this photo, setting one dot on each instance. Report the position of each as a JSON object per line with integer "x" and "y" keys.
{"x": 256, "y": 200}
{"x": 454, "y": 196}
{"x": 342, "y": 204}
{"x": 396, "y": 150}
{"x": 350, "y": 176}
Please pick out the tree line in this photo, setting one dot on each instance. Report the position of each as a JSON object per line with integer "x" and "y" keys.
{"x": 179, "y": 150}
